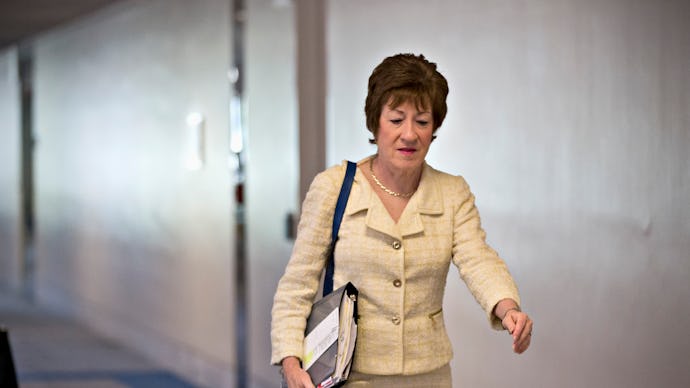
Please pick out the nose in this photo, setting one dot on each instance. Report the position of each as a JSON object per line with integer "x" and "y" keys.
{"x": 408, "y": 132}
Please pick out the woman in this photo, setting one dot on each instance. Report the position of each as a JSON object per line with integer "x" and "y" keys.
{"x": 404, "y": 224}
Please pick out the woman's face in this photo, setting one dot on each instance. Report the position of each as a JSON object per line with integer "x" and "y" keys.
{"x": 404, "y": 135}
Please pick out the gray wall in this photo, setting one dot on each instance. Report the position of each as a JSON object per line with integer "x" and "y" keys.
{"x": 272, "y": 168}
{"x": 129, "y": 239}
{"x": 569, "y": 119}
{"x": 10, "y": 172}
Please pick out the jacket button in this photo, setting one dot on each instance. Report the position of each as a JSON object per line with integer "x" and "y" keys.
{"x": 397, "y": 282}
{"x": 396, "y": 320}
{"x": 396, "y": 244}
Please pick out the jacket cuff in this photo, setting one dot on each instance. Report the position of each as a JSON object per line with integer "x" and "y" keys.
{"x": 494, "y": 322}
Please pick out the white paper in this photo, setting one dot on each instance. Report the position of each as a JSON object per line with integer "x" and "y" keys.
{"x": 321, "y": 338}
{"x": 347, "y": 338}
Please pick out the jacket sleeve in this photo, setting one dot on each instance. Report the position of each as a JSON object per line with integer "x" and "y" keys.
{"x": 300, "y": 282}
{"x": 483, "y": 271}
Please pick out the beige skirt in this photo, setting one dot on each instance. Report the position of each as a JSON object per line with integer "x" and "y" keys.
{"x": 439, "y": 378}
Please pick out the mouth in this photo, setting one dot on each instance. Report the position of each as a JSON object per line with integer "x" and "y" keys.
{"x": 407, "y": 151}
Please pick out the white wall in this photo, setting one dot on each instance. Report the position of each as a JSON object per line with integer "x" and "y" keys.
{"x": 128, "y": 239}
{"x": 10, "y": 173}
{"x": 272, "y": 177}
{"x": 569, "y": 119}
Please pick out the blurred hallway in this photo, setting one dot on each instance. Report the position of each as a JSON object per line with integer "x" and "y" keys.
{"x": 568, "y": 119}
{"x": 51, "y": 351}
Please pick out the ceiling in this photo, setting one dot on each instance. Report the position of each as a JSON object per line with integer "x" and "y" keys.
{"x": 22, "y": 19}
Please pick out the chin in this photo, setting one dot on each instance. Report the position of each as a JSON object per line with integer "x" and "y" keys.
{"x": 412, "y": 162}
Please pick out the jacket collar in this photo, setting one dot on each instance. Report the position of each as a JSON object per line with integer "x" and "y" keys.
{"x": 426, "y": 200}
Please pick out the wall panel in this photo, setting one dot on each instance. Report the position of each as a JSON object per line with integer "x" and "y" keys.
{"x": 272, "y": 170}
{"x": 128, "y": 238}
{"x": 569, "y": 121}
{"x": 10, "y": 170}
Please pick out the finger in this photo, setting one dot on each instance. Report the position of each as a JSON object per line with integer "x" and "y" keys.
{"x": 306, "y": 381}
{"x": 525, "y": 339}
{"x": 302, "y": 384}
{"x": 300, "y": 379}
{"x": 520, "y": 321}
{"x": 524, "y": 331}
{"x": 527, "y": 332}
{"x": 522, "y": 346}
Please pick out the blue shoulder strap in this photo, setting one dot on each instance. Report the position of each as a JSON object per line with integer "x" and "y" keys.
{"x": 337, "y": 217}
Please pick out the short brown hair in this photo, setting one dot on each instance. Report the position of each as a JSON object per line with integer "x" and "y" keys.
{"x": 401, "y": 78}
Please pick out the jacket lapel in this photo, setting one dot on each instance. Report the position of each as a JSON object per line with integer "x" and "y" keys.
{"x": 427, "y": 200}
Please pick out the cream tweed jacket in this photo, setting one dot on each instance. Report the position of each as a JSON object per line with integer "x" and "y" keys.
{"x": 399, "y": 268}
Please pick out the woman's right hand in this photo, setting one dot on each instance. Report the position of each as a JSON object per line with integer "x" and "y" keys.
{"x": 295, "y": 376}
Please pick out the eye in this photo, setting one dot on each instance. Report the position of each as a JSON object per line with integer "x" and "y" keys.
{"x": 396, "y": 121}
{"x": 422, "y": 123}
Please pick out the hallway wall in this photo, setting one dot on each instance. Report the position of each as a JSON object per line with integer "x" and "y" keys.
{"x": 10, "y": 173}
{"x": 129, "y": 239}
{"x": 272, "y": 168}
{"x": 569, "y": 119}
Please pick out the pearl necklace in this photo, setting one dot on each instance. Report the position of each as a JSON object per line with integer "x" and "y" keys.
{"x": 384, "y": 188}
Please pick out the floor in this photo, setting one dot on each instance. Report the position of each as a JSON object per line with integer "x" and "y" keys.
{"x": 50, "y": 351}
